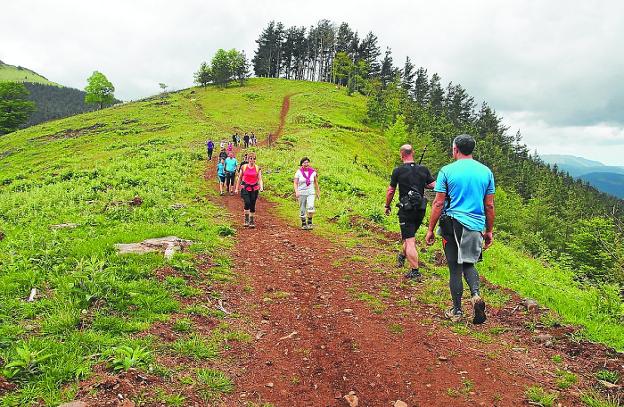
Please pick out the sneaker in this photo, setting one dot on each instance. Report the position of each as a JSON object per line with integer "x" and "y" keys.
{"x": 304, "y": 227}
{"x": 414, "y": 275}
{"x": 221, "y": 193}
{"x": 310, "y": 227}
{"x": 453, "y": 315}
{"x": 401, "y": 260}
{"x": 478, "y": 306}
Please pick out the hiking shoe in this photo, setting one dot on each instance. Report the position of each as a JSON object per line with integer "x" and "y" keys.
{"x": 414, "y": 275}
{"x": 304, "y": 227}
{"x": 478, "y": 306}
{"x": 401, "y": 260}
{"x": 453, "y": 315}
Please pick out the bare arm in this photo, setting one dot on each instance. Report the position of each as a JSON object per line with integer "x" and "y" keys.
{"x": 316, "y": 186}
{"x": 260, "y": 181}
{"x": 238, "y": 179}
{"x": 296, "y": 186}
{"x": 389, "y": 197}
{"x": 490, "y": 214}
{"x": 436, "y": 211}
{"x": 430, "y": 186}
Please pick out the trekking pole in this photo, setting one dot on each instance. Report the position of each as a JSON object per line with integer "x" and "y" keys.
{"x": 422, "y": 155}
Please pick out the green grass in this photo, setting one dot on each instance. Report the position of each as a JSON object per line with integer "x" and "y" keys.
{"x": 19, "y": 74}
{"x": 565, "y": 379}
{"x": 541, "y": 397}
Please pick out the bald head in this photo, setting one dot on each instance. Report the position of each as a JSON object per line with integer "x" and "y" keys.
{"x": 406, "y": 151}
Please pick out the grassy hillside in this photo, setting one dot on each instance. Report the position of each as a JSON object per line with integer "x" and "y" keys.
{"x": 21, "y": 74}
{"x": 86, "y": 169}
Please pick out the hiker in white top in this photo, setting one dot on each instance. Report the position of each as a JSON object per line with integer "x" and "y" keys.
{"x": 306, "y": 189}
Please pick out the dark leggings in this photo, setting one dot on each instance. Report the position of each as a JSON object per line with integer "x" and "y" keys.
{"x": 229, "y": 179}
{"x": 250, "y": 198}
{"x": 468, "y": 271}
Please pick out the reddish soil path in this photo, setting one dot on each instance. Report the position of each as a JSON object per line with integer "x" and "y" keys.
{"x": 318, "y": 338}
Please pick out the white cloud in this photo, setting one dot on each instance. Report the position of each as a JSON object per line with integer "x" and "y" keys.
{"x": 601, "y": 142}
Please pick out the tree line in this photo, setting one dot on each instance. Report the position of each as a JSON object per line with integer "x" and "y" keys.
{"x": 548, "y": 213}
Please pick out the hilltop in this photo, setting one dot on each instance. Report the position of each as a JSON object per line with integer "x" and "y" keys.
{"x": 269, "y": 316}
{"x": 20, "y": 74}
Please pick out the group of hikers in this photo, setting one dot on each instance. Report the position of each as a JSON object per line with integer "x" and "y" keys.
{"x": 463, "y": 210}
{"x": 246, "y": 140}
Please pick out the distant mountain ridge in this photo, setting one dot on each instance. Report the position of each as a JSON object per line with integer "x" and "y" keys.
{"x": 605, "y": 178}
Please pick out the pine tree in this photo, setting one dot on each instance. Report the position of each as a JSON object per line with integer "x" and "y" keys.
{"x": 407, "y": 76}
{"x": 436, "y": 95}
{"x": 263, "y": 55}
{"x": 369, "y": 52}
{"x": 421, "y": 87}
{"x": 388, "y": 72}
{"x": 15, "y": 108}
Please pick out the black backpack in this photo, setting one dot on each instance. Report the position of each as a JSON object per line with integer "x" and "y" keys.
{"x": 413, "y": 200}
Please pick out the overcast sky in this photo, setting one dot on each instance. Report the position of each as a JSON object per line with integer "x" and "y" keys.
{"x": 554, "y": 69}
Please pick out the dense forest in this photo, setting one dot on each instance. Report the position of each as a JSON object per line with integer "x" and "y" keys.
{"x": 544, "y": 211}
{"x": 54, "y": 102}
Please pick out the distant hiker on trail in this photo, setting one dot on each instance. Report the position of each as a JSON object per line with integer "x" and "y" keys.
{"x": 245, "y": 161}
{"x": 464, "y": 205}
{"x": 222, "y": 155}
{"x": 238, "y": 139}
{"x": 235, "y": 138}
{"x": 251, "y": 181}
{"x": 246, "y": 140}
{"x": 222, "y": 145}
{"x": 230, "y": 172}
{"x": 412, "y": 180}
{"x": 221, "y": 174}
{"x": 306, "y": 190}
{"x": 254, "y": 140}
{"x": 209, "y": 148}
{"x": 230, "y": 148}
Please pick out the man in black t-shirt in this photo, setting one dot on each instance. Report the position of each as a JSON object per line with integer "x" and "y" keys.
{"x": 412, "y": 180}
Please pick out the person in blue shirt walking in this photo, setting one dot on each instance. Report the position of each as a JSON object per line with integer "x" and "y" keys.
{"x": 464, "y": 205}
{"x": 230, "y": 172}
{"x": 221, "y": 174}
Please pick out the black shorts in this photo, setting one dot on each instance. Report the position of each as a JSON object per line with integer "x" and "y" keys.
{"x": 410, "y": 221}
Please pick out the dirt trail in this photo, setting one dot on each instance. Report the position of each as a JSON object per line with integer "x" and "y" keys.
{"x": 319, "y": 336}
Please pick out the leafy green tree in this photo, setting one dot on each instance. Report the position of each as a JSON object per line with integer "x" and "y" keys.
{"x": 15, "y": 108}
{"x": 203, "y": 76}
{"x": 221, "y": 68}
{"x": 99, "y": 90}
{"x": 240, "y": 66}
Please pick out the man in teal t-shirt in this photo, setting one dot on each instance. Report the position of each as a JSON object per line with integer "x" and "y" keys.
{"x": 464, "y": 204}
{"x": 230, "y": 171}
